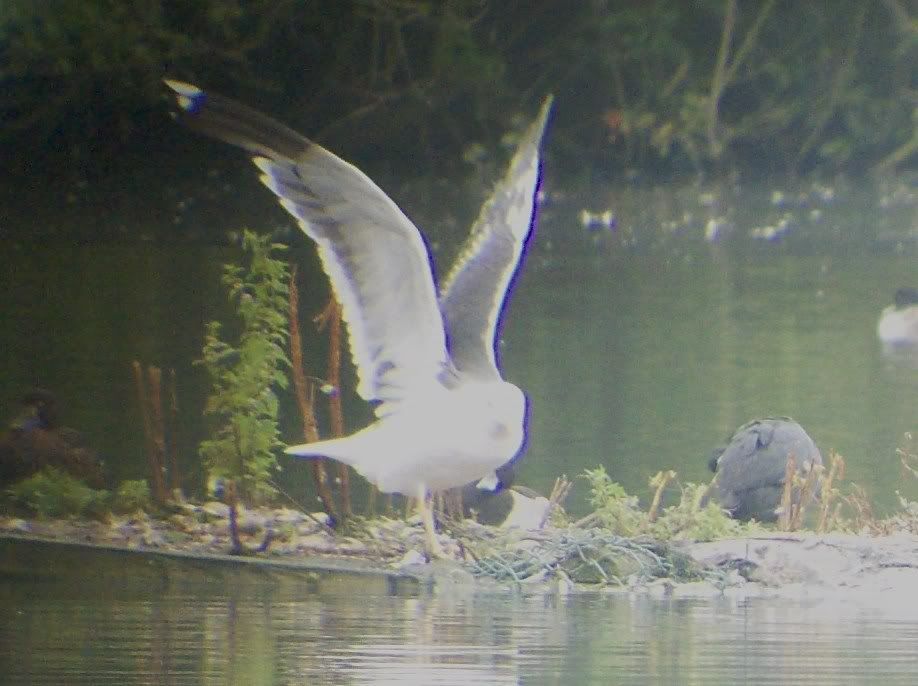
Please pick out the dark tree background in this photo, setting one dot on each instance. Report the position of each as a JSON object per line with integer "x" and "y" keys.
{"x": 427, "y": 90}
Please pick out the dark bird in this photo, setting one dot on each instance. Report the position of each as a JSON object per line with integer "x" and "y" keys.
{"x": 516, "y": 506}
{"x": 749, "y": 471}
{"x": 35, "y": 440}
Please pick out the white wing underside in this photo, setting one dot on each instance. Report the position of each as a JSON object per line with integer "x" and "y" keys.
{"x": 374, "y": 256}
{"x": 376, "y": 259}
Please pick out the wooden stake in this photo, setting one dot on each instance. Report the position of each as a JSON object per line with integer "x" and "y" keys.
{"x": 305, "y": 399}
{"x": 154, "y": 455}
{"x": 330, "y": 317}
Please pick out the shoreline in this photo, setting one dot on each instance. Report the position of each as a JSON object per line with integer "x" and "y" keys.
{"x": 872, "y": 571}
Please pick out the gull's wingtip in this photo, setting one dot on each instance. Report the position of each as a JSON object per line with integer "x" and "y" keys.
{"x": 189, "y": 97}
{"x": 535, "y": 132}
{"x": 547, "y": 104}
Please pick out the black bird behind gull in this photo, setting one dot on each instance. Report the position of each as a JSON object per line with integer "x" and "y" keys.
{"x": 445, "y": 416}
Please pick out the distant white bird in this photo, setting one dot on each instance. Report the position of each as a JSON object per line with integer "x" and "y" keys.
{"x": 898, "y": 325}
{"x": 445, "y": 416}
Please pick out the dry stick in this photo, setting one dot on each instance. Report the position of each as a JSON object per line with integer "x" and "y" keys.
{"x": 836, "y": 471}
{"x": 175, "y": 481}
{"x": 156, "y": 470}
{"x": 810, "y": 484}
{"x": 660, "y": 481}
{"x": 559, "y": 493}
{"x": 331, "y": 317}
{"x": 155, "y": 379}
{"x": 305, "y": 396}
{"x": 787, "y": 495}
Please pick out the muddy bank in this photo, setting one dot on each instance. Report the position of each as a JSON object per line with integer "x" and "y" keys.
{"x": 868, "y": 570}
{"x": 861, "y": 568}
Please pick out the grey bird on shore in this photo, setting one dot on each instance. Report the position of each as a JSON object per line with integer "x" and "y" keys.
{"x": 749, "y": 471}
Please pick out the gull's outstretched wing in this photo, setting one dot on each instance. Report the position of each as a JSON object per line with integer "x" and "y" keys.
{"x": 376, "y": 259}
{"x": 474, "y": 292}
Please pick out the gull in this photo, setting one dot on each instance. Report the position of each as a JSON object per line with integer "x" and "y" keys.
{"x": 425, "y": 358}
{"x": 898, "y": 325}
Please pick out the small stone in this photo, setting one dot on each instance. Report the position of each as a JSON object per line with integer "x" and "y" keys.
{"x": 412, "y": 557}
{"x": 215, "y": 508}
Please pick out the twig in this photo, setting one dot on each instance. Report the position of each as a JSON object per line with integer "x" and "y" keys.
{"x": 836, "y": 471}
{"x": 787, "y": 495}
{"x": 659, "y": 481}
{"x": 559, "y": 493}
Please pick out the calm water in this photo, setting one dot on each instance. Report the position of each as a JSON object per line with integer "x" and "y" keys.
{"x": 82, "y": 627}
{"x": 641, "y": 348}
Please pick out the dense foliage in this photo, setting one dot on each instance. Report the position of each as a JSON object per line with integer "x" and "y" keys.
{"x": 244, "y": 376}
{"x": 643, "y": 84}
{"x": 52, "y": 492}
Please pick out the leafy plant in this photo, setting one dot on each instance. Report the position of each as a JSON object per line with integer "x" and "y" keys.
{"x": 616, "y": 510}
{"x": 132, "y": 496}
{"x": 53, "y": 493}
{"x": 620, "y": 512}
{"x": 244, "y": 376}
{"x": 689, "y": 520}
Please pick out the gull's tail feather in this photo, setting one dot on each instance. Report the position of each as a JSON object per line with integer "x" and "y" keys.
{"x": 234, "y": 123}
{"x": 333, "y": 448}
{"x": 350, "y": 450}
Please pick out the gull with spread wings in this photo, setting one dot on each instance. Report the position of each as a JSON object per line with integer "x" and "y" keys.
{"x": 428, "y": 360}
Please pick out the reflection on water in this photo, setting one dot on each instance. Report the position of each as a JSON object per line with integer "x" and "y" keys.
{"x": 109, "y": 631}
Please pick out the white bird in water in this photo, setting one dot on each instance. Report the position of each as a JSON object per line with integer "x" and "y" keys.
{"x": 898, "y": 325}
{"x": 444, "y": 415}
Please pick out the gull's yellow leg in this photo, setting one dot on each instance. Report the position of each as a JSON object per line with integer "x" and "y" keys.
{"x": 434, "y": 549}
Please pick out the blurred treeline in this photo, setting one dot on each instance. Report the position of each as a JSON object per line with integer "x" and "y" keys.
{"x": 651, "y": 87}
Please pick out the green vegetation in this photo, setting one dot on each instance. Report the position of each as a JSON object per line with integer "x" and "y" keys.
{"x": 54, "y": 493}
{"x": 620, "y": 513}
{"x": 132, "y": 496}
{"x": 244, "y": 376}
{"x": 660, "y": 86}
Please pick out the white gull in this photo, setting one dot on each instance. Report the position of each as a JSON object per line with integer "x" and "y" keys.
{"x": 444, "y": 415}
